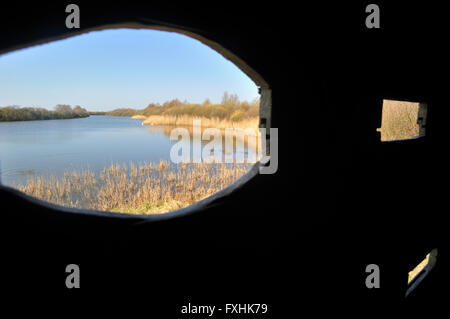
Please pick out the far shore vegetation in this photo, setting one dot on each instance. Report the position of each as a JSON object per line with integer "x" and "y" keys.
{"x": 97, "y": 113}
{"x": 62, "y": 111}
{"x": 230, "y": 113}
{"x": 147, "y": 188}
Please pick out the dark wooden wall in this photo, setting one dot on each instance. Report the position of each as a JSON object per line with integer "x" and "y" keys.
{"x": 298, "y": 239}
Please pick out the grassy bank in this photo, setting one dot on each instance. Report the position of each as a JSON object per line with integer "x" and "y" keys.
{"x": 150, "y": 188}
{"x": 14, "y": 113}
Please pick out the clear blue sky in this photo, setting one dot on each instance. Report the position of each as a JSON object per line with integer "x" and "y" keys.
{"x": 110, "y": 69}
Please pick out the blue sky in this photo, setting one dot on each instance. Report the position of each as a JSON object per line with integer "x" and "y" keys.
{"x": 110, "y": 69}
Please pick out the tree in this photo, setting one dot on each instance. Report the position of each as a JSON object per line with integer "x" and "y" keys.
{"x": 174, "y": 102}
{"x": 230, "y": 100}
{"x": 79, "y": 111}
{"x": 224, "y": 98}
{"x": 63, "y": 110}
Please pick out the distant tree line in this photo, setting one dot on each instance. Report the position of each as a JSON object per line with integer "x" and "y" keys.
{"x": 230, "y": 108}
{"x": 123, "y": 112}
{"x": 62, "y": 111}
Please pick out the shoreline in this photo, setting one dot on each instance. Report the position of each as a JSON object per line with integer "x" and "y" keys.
{"x": 53, "y": 119}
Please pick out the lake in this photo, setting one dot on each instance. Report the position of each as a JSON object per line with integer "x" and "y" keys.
{"x": 34, "y": 148}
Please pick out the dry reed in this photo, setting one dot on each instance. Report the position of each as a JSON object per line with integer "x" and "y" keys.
{"x": 399, "y": 120}
{"x": 188, "y": 120}
{"x": 146, "y": 188}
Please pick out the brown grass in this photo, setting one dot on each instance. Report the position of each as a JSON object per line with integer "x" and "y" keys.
{"x": 399, "y": 120}
{"x": 148, "y": 188}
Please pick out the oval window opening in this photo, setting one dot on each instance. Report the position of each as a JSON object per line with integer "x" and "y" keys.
{"x": 124, "y": 120}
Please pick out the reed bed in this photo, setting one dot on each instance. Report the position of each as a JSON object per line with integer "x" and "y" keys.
{"x": 146, "y": 188}
{"x": 188, "y": 120}
{"x": 399, "y": 120}
{"x": 250, "y": 140}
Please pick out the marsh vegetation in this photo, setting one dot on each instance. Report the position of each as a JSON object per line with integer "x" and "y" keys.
{"x": 147, "y": 188}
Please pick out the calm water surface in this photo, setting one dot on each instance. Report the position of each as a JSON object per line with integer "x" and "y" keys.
{"x": 33, "y": 148}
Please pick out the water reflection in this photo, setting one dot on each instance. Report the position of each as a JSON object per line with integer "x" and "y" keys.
{"x": 248, "y": 144}
{"x": 40, "y": 148}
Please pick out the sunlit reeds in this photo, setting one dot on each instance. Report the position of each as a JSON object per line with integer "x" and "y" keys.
{"x": 399, "y": 120}
{"x": 147, "y": 188}
{"x": 186, "y": 120}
